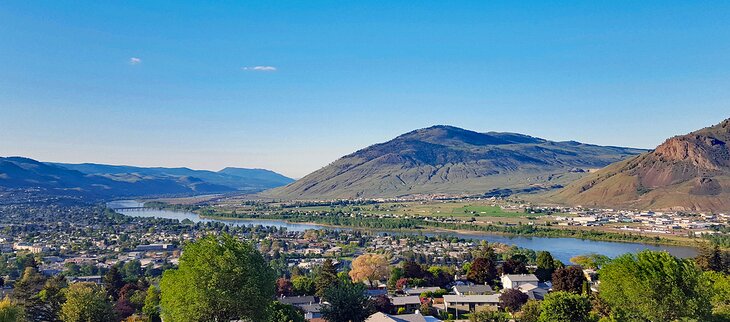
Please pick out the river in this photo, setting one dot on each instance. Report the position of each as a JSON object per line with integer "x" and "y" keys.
{"x": 561, "y": 248}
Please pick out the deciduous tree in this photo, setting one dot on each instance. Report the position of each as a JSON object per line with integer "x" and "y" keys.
{"x": 482, "y": 270}
{"x": 545, "y": 266}
{"x": 655, "y": 286}
{"x": 219, "y": 278}
{"x": 280, "y": 312}
{"x": 563, "y": 306}
{"x": 11, "y": 311}
{"x": 512, "y": 299}
{"x": 592, "y": 261}
{"x": 569, "y": 279}
{"x": 86, "y": 302}
{"x": 370, "y": 268}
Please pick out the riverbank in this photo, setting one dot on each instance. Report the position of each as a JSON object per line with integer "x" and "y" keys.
{"x": 407, "y": 225}
{"x": 563, "y": 248}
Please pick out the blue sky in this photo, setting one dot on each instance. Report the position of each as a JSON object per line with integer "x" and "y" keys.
{"x": 176, "y": 84}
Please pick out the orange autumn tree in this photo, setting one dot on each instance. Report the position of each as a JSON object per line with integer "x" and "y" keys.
{"x": 370, "y": 268}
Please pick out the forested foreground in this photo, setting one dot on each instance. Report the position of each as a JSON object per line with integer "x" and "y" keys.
{"x": 221, "y": 278}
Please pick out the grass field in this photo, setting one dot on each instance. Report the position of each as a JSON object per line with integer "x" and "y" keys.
{"x": 432, "y": 209}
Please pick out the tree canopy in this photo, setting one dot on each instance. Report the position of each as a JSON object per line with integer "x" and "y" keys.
{"x": 347, "y": 302}
{"x": 569, "y": 279}
{"x": 655, "y": 286}
{"x": 563, "y": 306}
{"x": 219, "y": 278}
{"x": 369, "y": 268}
{"x": 545, "y": 266}
{"x": 482, "y": 270}
{"x": 86, "y": 302}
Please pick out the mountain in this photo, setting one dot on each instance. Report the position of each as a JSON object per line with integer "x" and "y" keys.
{"x": 451, "y": 160}
{"x": 689, "y": 172}
{"x": 237, "y": 178}
{"x": 98, "y": 181}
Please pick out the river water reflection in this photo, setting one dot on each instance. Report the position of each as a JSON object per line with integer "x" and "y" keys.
{"x": 561, "y": 248}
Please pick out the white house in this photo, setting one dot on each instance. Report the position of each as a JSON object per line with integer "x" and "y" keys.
{"x": 515, "y": 280}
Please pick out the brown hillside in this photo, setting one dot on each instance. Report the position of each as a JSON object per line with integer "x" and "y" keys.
{"x": 688, "y": 172}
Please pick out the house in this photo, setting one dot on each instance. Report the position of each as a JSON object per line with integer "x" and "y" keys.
{"x": 420, "y": 290}
{"x": 155, "y": 248}
{"x": 312, "y": 311}
{"x": 472, "y": 289}
{"x": 415, "y": 317}
{"x": 92, "y": 279}
{"x": 297, "y": 300}
{"x": 376, "y": 292}
{"x": 409, "y": 303}
{"x": 515, "y": 280}
{"x": 534, "y": 291}
{"x": 471, "y": 303}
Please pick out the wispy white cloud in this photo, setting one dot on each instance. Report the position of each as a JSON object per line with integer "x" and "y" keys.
{"x": 135, "y": 61}
{"x": 260, "y": 68}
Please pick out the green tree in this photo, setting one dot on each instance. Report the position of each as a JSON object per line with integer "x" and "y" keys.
{"x": 131, "y": 271}
{"x": 86, "y": 302}
{"x": 530, "y": 312}
{"x": 47, "y": 303}
{"x": 10, "y": 311}
{"x": 219, "y": 278}
{"x": 326, "y": 277}
{"x": 151, "y": 306}
{"x": 396, "y": 273}
{"x": 545, "y": 266}
{"x": 347, "y": 302}
{"x": 303, "y": 285}
{"x": 279, "y": 312}
{"x": 655, "y": 286}
{"x": 30, "y": 283}
{"x": 720, "y": 294}
{"x": 563, "y": 306}
{"x": 488, "y": 316}
{"x": 569, "y": 279}
{"x": 592, "y": 261}
{"x": 113, "y": 282}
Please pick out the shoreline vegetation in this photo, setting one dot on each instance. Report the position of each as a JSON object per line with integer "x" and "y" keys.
{"x": 341, "y": 220}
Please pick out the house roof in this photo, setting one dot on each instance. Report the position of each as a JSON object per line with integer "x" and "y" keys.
{"x": 419, "y": 290}
{"x": 405, "y": 300}
{"x": 521, "y": 277}
{"x": 527, "y": 287}
{"x": 473, "y": 289}
{"x": 489, "y": 298}
{"x": 311, "y": 308}
{"x": 294, "y": 300}
{"x": 382, "y": 317}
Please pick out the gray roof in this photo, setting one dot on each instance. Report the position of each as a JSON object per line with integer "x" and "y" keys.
{"x": 382, "y": 317}
{"x": 419, "y": 290}
{"x": 311, "y": 308}
{"x": 405, "y": 300}
{"x": 490, "y": 298}
{"x": 473, "y": 289}
{"x": 295, "y": 300}
{"x": 522, "y": 277}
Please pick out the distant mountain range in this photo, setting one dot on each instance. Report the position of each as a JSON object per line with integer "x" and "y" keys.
{"x": 688, "y": 172}
{"x": 110, "y": 181}
{"x": 451, "y": 160}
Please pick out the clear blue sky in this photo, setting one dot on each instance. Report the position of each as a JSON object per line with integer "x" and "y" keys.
{"x": 292, "y": 85}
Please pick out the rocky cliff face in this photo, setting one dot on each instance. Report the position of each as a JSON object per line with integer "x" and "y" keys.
{"x": 688, "y": 172}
